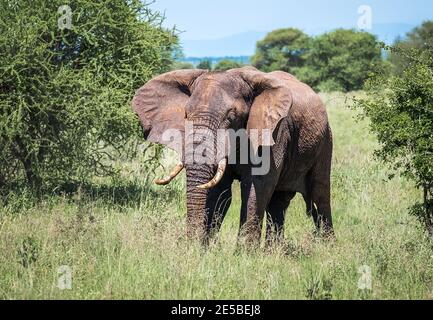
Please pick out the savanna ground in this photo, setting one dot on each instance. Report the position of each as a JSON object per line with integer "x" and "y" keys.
{"x": 126, "y": 240}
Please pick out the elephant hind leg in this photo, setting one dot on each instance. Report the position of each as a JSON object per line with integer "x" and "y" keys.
{"x": 320, "y": 204}
{"x": 275, "y": 214}
{"x": 311, "y": 209}
{"x": 318, "y": 196}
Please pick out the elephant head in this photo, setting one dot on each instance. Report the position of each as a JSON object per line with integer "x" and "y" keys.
{"x": 242, "y": 98}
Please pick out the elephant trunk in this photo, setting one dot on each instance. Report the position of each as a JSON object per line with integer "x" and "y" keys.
{"x": 202, "y": 171}
{"x": 197, "y": 210}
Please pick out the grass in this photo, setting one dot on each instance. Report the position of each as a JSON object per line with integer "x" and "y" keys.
{"x": 127, "y": 240}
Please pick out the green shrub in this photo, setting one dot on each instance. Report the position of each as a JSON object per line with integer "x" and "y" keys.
{"x": 341, "y": 59}
{"x": 281, "y": 49}
{"x": 205, "y": 65}
{"x": 65, "y": 92}
{"x": 330, "y": 85}
{"x": 225, "y": 65}
{"x": 179, "y": 65}
{"x": 401, "y": 113}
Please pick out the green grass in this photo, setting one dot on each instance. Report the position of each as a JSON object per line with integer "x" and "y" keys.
{"x": 127, "y": 240}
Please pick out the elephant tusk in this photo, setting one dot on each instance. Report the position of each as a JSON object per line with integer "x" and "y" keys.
{"x": 178, "y": 169}
{"x": 218, "y": 176}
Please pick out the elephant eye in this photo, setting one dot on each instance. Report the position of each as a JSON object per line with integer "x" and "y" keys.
{"x": 231, "y": 115}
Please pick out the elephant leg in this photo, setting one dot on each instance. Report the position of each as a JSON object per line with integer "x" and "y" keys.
{"x": 321, "y": 199}
{"x": 218, "y": 203}
{"x": 311, "y": 208}
{"x": 255, "y": 197}
{"x": 320, "y": 204}
{"x": 276, "y": 212}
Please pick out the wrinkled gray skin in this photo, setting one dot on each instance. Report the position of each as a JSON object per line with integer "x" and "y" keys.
{"x": 246, "y": 98}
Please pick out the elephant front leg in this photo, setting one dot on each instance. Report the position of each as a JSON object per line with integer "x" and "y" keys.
{"x": 276, "y": 212}
{"x": 218, "y": 203}
{"x": 255, "y": 197}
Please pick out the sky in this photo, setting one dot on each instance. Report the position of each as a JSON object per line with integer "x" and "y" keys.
{"x": 204, "y": 19}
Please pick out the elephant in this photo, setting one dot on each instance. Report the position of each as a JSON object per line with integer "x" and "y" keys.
{"x": 299, "y": 147}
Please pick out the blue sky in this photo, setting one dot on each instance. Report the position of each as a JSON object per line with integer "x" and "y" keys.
{"x": 203, "y": 19}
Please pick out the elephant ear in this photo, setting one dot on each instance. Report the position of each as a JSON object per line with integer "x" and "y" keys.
{"x": 160, "y": 106}
{"x": 272, "y": 101}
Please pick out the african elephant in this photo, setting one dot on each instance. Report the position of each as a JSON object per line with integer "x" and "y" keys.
{"x": 299, "y": 149}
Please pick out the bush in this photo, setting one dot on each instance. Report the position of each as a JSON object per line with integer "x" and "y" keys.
{"x": 340, "y": 59}
{"x": 205, "y": 65}
{"x": 330, "y": 85}
{"x": 179, "y": 65}
{"x": 64, "y": 94}
{"x": 225, "y": 65}
{"x": 281, "y": 49}
{"x": 401, "y": 113}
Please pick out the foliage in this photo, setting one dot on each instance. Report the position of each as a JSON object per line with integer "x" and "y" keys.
{"x": 64, "y": 93}
{"x": 28, "y": 252}
{"x": 225, "y": 65}
{"x": 420, "y": 38}
{"x": 281, "y": 49}
{"x": 340, "y": 60}
{"x": 205, "y": 65}
{"x": 336, "y": 61}
{"x": 401, "y": 113}
{"x": 182, "y": 65}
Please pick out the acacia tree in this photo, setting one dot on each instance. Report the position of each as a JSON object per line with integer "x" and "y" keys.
{"x": 401, "y": 112}
{"x": 281, "y": 49}
{"x": 66, "y": 79}
{"x": 340, "y": 60}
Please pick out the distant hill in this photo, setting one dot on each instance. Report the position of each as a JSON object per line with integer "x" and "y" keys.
{"x": 243, "y": 44}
